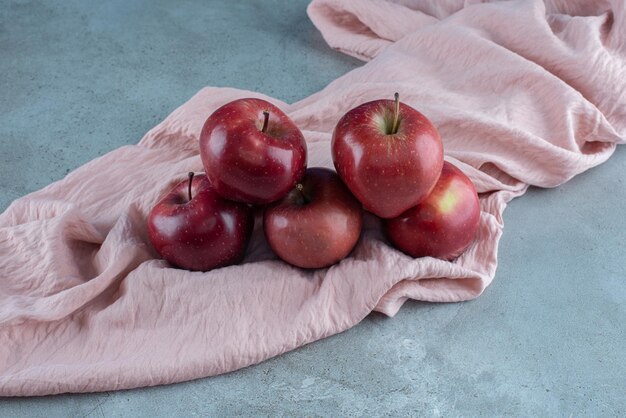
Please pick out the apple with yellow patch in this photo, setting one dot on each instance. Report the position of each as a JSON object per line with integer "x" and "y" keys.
{"x": 444, "y": 224}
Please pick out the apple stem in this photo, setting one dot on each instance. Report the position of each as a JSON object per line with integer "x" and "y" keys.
{"x": 191, "y": 174}
{"x": 266, "y": 120}
{"x": 396, "y": 114}
{"x": 303, "y": 199}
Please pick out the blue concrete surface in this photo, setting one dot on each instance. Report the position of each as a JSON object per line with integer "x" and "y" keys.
{"x": 548, "y": 337}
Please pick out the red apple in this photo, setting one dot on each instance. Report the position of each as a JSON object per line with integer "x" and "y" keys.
{"x": 444, "y": 224}
{"x": 317, "y": 224}
{"x": 388, "y": 154}
{"x": 194, "y": 228}
{"x": 252, "y": 152}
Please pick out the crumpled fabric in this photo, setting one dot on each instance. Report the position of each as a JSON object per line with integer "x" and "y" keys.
{"x": 523, "y": 93}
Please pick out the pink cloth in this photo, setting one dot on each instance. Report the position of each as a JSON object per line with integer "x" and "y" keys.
{"x": 522, "y": 92}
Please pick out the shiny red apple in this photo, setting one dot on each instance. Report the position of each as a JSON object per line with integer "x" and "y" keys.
{"x": 252, "y": 152}
{"x": 317, "y": 224}
{"x": 388, "y": 154}
{"x": 194, "y": 228}
{"x": 444, "y": 224}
